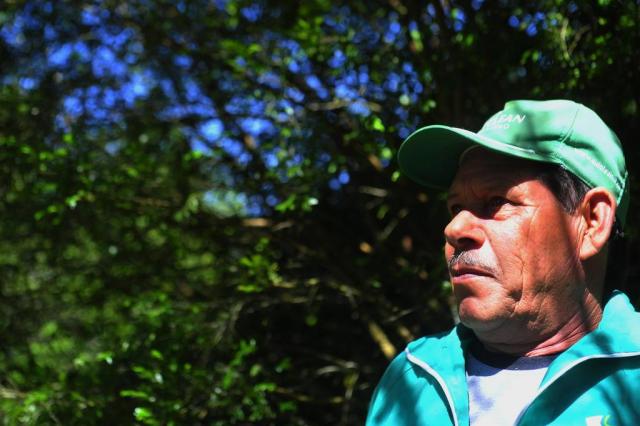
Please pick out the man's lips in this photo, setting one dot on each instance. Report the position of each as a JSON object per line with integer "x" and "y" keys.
{"x": 469, "y": 271}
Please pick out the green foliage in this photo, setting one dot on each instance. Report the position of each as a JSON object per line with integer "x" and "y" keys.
{"x": 203, "y": 222}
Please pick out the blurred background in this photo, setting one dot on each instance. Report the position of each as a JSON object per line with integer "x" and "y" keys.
{"x": 203, "y": 222}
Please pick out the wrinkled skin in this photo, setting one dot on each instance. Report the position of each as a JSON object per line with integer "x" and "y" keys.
{"x": 514, "y": 256}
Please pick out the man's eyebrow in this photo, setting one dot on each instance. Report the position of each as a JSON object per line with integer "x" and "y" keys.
{"x": 494, "y": 185}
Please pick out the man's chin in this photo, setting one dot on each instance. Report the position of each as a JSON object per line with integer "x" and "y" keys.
{"x": 478, "y": 316}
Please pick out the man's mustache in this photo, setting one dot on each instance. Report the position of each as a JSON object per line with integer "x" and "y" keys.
{"x": 471, "y": 260}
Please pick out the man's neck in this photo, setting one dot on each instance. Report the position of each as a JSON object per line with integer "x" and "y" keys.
{"x": 580, "y": 324}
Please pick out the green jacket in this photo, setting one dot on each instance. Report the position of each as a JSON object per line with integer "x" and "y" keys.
{"x": 594, "y": 382}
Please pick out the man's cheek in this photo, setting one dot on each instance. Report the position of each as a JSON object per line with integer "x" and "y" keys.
{"x": 509, "y": 252}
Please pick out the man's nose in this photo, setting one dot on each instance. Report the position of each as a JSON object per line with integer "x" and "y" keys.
{"x": 463, "y": 231}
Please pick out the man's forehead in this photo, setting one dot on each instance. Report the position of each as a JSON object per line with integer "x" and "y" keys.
{"x": 484, "y": 167}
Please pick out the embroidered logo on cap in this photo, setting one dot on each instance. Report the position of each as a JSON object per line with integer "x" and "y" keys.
{"x": 504, "y": 121}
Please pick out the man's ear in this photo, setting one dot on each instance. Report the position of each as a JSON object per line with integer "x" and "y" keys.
{"x": 597, "y": 212}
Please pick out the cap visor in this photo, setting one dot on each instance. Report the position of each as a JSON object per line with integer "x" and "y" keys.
{"x": 430, "y": 156}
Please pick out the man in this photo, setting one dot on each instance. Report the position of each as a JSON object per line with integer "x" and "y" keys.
{"x": 534, "y": 198}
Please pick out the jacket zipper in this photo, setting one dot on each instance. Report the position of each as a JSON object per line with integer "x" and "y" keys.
{"x": 426, "y": 367}
{"x": 567, "y": 368}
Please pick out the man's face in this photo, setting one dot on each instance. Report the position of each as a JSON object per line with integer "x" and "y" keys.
{"x": 511, "y": 248}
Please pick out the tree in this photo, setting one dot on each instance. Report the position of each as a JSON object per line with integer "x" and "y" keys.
{"x": 203, "y": 219}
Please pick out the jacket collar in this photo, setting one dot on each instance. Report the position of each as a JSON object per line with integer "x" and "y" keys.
{"x": 617, "y": 335}
{"x": 445, "y": 354}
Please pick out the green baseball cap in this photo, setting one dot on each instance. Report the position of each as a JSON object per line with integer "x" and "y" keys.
{"x": 558, "y": 131}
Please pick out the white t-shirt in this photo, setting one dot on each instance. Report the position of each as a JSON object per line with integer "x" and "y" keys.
{"x": 500, "y": 386}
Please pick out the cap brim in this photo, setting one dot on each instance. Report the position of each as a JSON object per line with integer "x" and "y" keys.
{"x": 430, "y": 156}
